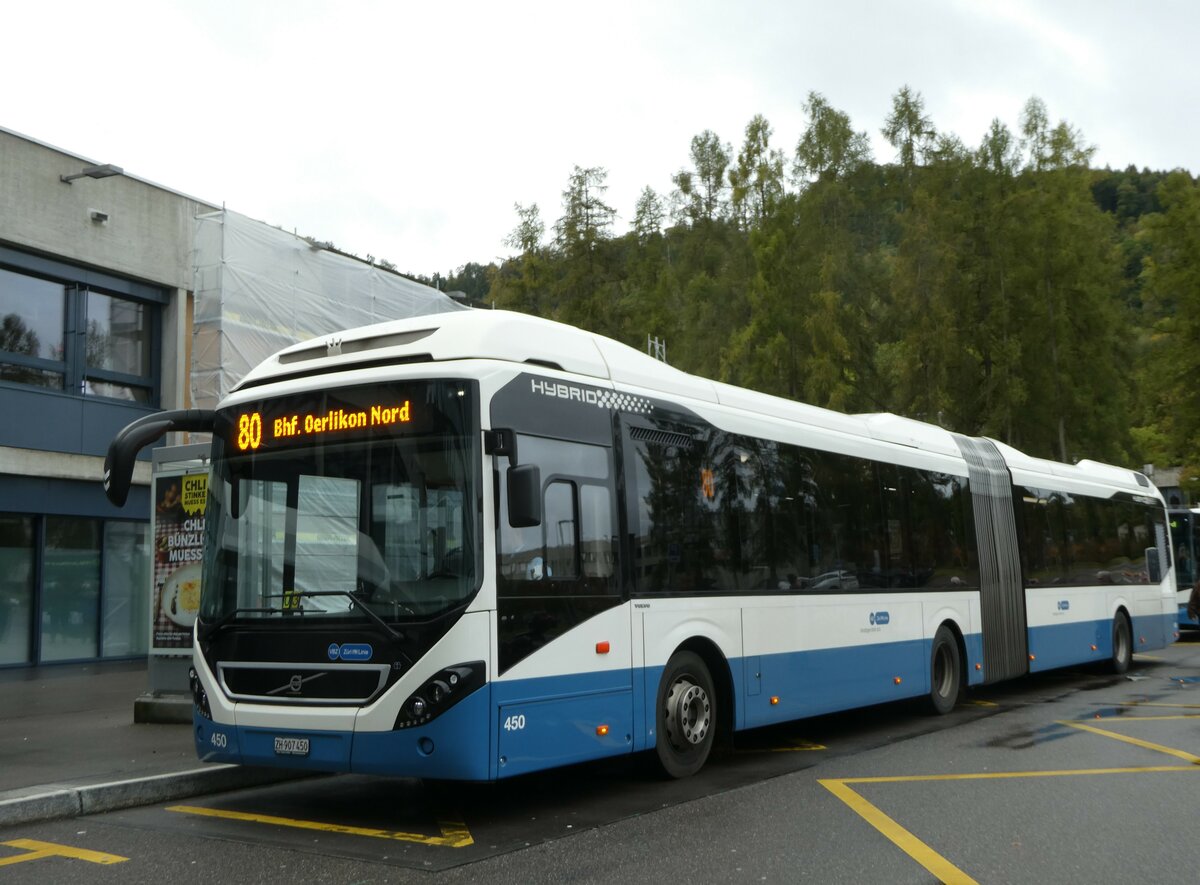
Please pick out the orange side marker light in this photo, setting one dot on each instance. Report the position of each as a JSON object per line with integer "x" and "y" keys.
{"x": 774, "y": 700}
{"x": 603, "y": 648}
{"x": 897, "y": 680}
{"x": 601, "y": 730}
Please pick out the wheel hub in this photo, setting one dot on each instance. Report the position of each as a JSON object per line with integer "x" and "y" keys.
{"x": 688, "y": 713}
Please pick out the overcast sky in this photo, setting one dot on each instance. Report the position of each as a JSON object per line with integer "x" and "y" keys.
{"x": 407, "y": 129}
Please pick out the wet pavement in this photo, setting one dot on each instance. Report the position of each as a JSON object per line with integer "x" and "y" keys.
{"x": 69, "y": 745}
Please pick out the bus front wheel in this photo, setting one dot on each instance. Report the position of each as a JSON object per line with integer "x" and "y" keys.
{"x": 945, "y": 672}
{"x": 686, "y": 717}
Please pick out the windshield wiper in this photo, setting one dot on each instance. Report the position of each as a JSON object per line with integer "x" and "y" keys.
{"x": 355, "y": 602}
{"x": 210, "y": 629}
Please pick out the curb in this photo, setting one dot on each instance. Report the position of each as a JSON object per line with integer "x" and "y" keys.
{"x": 56, "y": 801}
{"x": 163, "y": 709}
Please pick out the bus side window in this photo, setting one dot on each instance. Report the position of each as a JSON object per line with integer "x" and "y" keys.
{"x": 598, "y": 558}
{"x": 576, "y": 541}
{"x": 558, "y": 523}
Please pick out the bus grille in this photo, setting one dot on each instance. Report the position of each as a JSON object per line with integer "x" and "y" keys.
{"x": 284, "y": 683}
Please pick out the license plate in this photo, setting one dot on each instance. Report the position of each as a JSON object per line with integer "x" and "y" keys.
{"x": 291, "y": 746}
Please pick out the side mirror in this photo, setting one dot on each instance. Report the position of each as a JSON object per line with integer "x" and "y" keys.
{"x": 524, "y": 496}
{"x": 123, "y": 450}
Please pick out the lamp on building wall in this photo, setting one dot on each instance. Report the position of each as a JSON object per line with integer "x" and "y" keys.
{"x": 108, "y": 169}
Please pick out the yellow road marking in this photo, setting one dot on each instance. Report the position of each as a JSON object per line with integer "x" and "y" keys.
{"x": 1173, "y": 706}
{"x": 945, "y": 871}
{"x": 1001, "y": 775}
{"x": 797, "y": 746}
{"x": 941, "y": 868}
{"x": 1137, "y": 742}
{"x": 1149, "y": 718}
{"x": 454, "y": 833}
{"x": 980, "y": 703}
{"x": 36, "y": 850}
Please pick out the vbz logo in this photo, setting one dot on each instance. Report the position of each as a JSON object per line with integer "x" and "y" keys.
{"x": 1064, "y": 605}
{"x": 880, "y": 619}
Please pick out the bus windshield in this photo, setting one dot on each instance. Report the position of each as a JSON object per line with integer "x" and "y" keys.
{"x": 363, "y": 497}
{"x": 1185, "y": 532}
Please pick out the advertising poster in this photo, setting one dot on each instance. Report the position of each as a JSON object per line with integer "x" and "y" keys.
{"x": 179, "y": 503}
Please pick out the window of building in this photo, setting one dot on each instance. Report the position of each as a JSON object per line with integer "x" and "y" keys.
{"x": 71, "y": 335}
{"x": 32, "y": 330}
{"x": 124, "y": 616}
{"x": 93, "y": 598}
{"x": 70, "y": 588}
{"x": 117, "y": 348}
{"x": 17, "y": 552}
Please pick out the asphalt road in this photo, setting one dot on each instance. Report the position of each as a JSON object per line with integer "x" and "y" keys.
{"x": 1066, "y": 777}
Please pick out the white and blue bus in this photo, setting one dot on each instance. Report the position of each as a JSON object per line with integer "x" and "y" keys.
{"x": 480, "y": 544}
{"x": 1185, "y": 541}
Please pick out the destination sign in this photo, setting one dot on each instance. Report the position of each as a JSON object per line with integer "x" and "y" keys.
{"x": 253, "y": 431}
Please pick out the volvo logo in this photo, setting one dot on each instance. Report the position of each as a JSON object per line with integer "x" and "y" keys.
{"x": 295, "y": 684}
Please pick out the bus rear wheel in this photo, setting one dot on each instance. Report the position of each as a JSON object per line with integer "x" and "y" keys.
{"x": 945, "y": 672}
{"x": 686, "y": 717}
{"x": 1122, "y": 644}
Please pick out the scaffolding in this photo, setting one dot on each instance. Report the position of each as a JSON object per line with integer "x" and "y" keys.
{"x": 258, "y": 289}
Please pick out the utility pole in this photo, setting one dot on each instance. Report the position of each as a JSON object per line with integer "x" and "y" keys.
{"x": 656, "y": 347}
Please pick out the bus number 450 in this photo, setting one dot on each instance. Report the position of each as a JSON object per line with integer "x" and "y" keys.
{"x": 514, "y": 723}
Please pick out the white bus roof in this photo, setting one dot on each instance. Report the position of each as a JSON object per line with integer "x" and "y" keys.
{"x": 528, "y": 340}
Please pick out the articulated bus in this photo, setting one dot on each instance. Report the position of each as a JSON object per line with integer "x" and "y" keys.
{"x": 1185, "y": 540}
{"x": 480, "y": 544}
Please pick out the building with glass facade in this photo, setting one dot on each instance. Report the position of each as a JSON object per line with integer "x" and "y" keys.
{"x": 94, "y": 302}
{"x": 106, "y": 282}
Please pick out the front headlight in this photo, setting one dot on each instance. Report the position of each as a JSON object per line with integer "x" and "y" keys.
{"x": 441, "y": 692}
{"x": 199, "y": 695}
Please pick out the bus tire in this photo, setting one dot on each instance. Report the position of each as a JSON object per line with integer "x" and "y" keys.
{"x": 1122, "y": 644}
{"x": 945, "y": 672}
{"x": 687, "y": 715}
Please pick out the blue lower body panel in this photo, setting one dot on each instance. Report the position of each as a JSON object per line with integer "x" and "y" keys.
{"x": 801, "y": 684}
{"x": 508, "y": 728}
{"x": 455, "y": 746}
{"x": 1085, "y": 642}
{"x": 1070, "y": 644}
{"x": 544, "y": 723}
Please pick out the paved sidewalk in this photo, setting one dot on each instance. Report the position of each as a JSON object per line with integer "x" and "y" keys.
{"x": 69, "y": 746}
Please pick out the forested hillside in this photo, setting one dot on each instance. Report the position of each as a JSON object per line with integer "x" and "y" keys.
{"x": 1007, "y": 289}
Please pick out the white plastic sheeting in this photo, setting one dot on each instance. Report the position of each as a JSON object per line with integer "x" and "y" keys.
{"x": 259, "y": 289}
